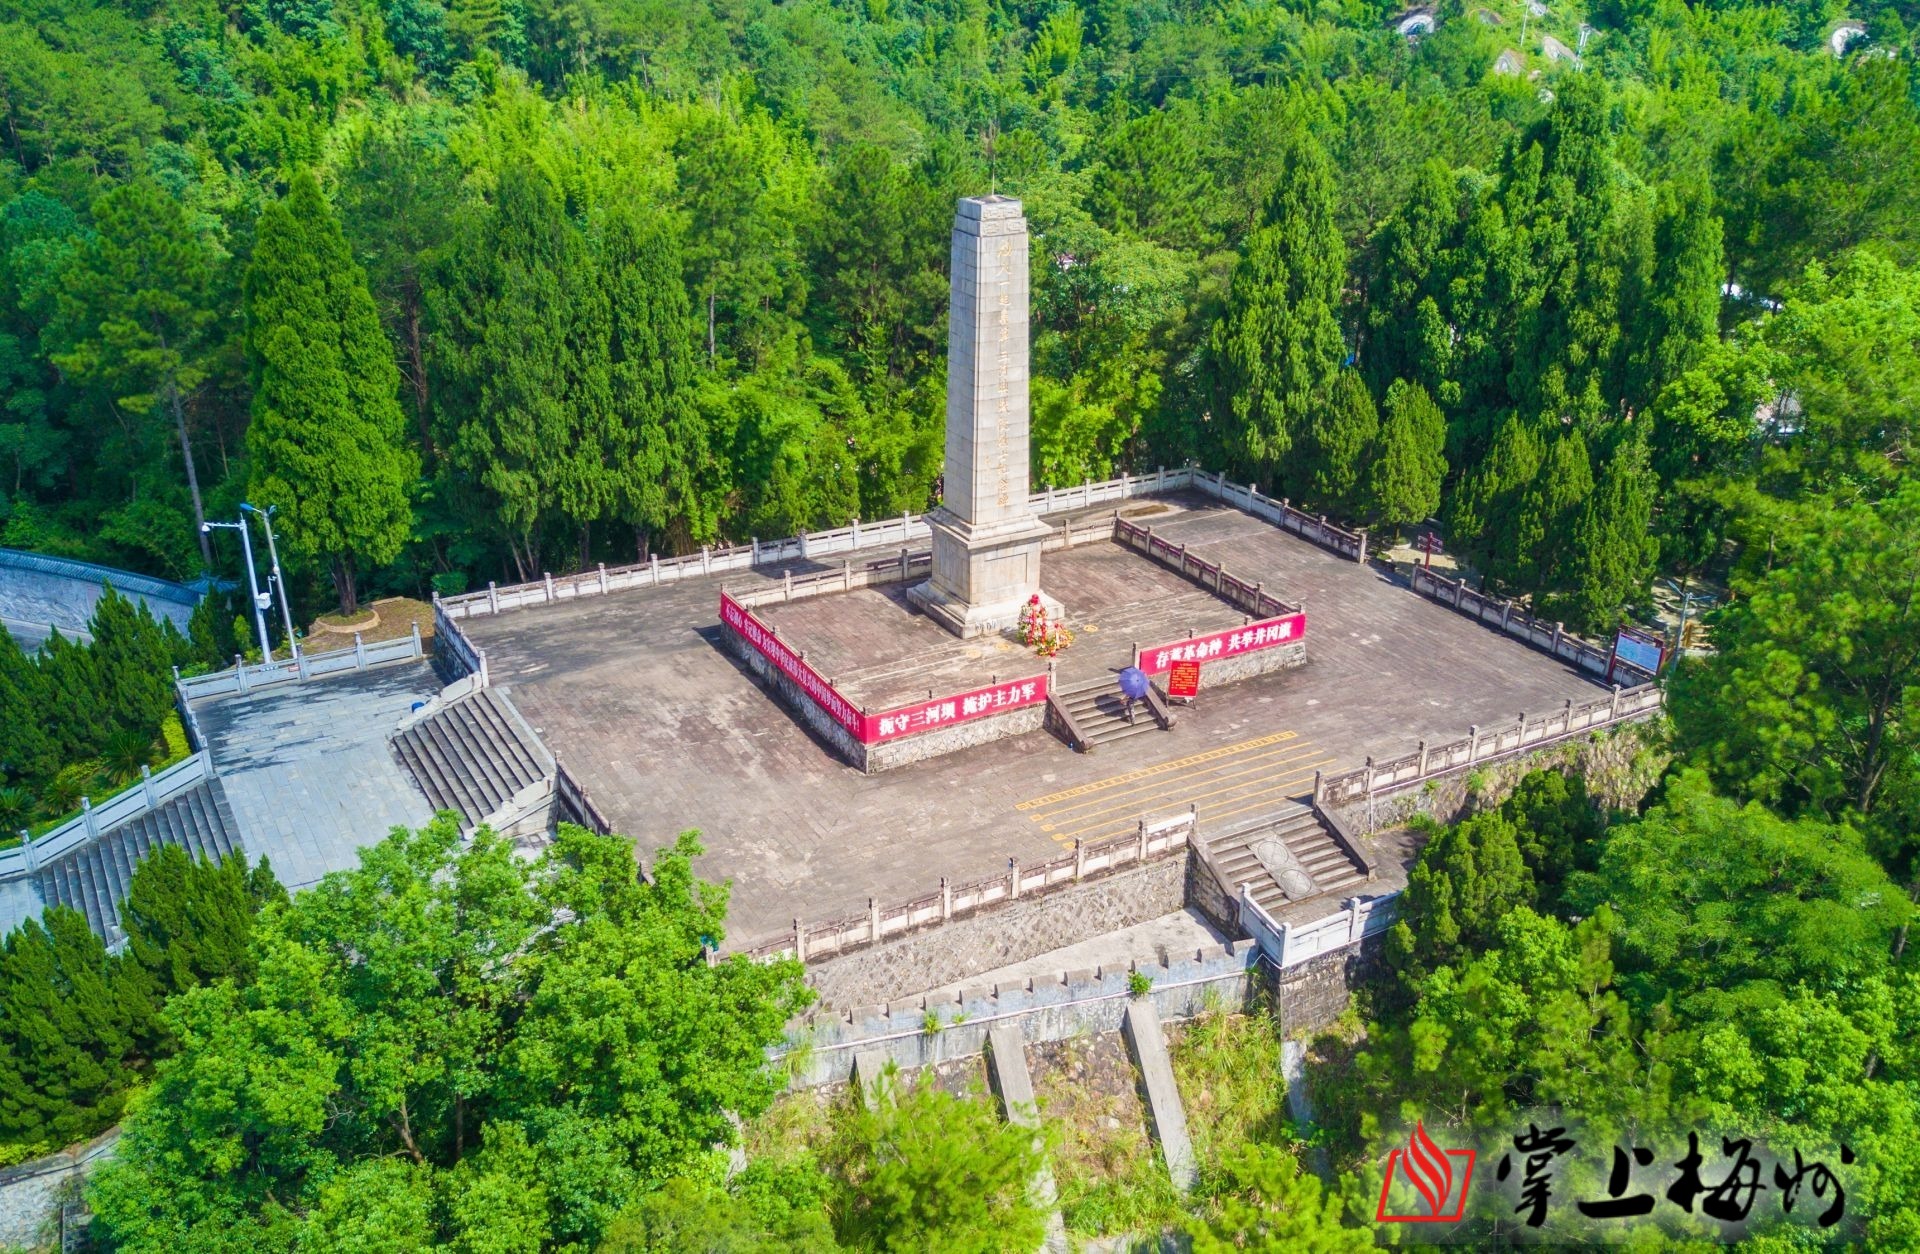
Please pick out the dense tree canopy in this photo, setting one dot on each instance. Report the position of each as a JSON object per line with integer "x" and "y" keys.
{"x": 653, "y": 281}
{"x": 452, "y": 1044}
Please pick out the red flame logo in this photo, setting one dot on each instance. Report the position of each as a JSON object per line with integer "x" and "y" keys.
{"x": 1429, "y": 1169}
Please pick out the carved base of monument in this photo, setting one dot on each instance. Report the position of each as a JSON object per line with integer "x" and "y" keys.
{"x": 982, "y": 576}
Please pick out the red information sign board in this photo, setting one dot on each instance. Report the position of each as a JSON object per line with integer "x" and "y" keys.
{"x": 1265, "y": 634}
{"x": 1183, "y": 679}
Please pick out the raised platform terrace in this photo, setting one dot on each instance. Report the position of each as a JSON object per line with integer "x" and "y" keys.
{"x": 639, "y": 698}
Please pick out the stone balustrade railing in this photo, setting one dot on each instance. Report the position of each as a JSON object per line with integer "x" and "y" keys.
{"x": 244, "y": 677}
{"x": 812, "y": 942}
{"x": 154, "y": 790}
{"x": 1290, "y": 944}
{"x": 1513, "y": 619}
{"x": 1432, "y": 761}
{"x": 1251, "y": 597}
{"x": 812, "y": 545}
{"x": 1310, "y": 527}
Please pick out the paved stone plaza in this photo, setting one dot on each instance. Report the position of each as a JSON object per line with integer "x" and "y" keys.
{"x": 307, "y": 768}
{"x": 636, "y": 694}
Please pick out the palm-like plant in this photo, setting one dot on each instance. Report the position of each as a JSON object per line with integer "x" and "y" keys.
{"x": 69, "y": 784}
{"x": 16, "y": 807}
{"x": 128, "y": 751}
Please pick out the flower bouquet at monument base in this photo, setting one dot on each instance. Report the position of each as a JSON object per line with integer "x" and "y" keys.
{"x": 1038, "y": 630}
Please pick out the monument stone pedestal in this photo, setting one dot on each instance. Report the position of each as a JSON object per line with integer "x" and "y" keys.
{"x": 986, "y": 537}
{"x": 982, "y": 576}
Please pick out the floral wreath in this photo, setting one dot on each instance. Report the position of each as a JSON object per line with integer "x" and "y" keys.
{"x": 1044, "y": 635}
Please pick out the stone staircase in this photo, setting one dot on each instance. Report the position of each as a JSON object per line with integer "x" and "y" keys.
{"x": 1287, "y": 856}
{"x": 473, "y": 755}
{"x": 1097, "y": 713}
{"x": 94, "y": 877}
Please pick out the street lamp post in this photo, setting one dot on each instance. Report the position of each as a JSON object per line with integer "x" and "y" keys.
{"x": 279, "y": 580}
{"x": 253, "y": 585}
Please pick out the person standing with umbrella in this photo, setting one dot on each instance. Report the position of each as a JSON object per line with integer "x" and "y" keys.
{"x": 1133, "y": 686}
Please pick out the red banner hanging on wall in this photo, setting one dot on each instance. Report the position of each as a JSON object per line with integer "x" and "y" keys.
{"x": 870, "y": 729}
{"x": 928, "y": 715}
{"x": 741, "y": 620}
{"x": 1265, "y": 634}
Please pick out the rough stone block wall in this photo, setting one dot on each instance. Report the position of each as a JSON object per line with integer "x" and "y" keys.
{"x": 931, "y": 744}
{"x": 1247, "y": 665}
{"x": 1619, "y": 767}
{"x": 1074, "y": 1003}
{"x": 31, "y": 1193}
{"x": 790, "y": 694}
{"x": 1206, "y": 894}
{"x": 999, "y": 935}
{"x": 1311, "y": 995}
{"x": 892, "y": 753}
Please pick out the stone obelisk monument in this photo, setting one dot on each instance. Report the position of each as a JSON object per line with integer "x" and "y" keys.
{"x": 986, "y": 540}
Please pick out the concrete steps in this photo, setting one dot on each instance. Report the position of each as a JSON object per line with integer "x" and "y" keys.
{"x": 95, "y": 877}
{"x": 1312, "y": 845}
{"x": 1099, "y": 711}
{"x": 472, "y": 756}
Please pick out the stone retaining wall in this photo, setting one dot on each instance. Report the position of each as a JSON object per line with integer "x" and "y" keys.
{"x": 845, "y": 745}
{"x": 963, "y": 735}
{"x": 31, "y": 1193}
{"x": 1002, "y": 934}
{"x": 1619, "y": 765}
{"x": 1312, "y": 994}
{"x": 1248, "y": 665}
{"x": 920, "y": 1031}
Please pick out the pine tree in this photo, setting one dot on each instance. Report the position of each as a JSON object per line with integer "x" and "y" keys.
{"x": 70, "y": 1019}
{"x": 1484, "y": 508}
{"x": 328, "y": 436}
{"x": 190, "y": 922}
{"x": 1680, "y": 316}
{"x": 1410, "y": 249}
{"x": 504, "y": 343}
{"x": 1569, "y": 213}
{"x": 1278, "y": 347}
{"x": 133, "y": 656}
{"x": 668, "y": 464}
{"x": 1408, "y": 461}
{"x": 137, "y": 312}
{"x": 1533, "y": 554}
{"x": 1329, "y": 459}
{"x": 28, "y": 751}
{"x": 1613, "y": 547}
{"x": 1468, "y": 877}
{"x": 69, "y": 678}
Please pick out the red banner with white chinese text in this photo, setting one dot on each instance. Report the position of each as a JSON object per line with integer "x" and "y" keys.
{"x": 1266, "y": 634}
{"x": 871, "y": 729}
{"x": 741, "y": 620}
{"x": 929, "y": 715}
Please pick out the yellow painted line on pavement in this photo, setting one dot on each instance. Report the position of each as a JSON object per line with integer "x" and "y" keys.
{"x": 1272, "y": 760}
{"x": 1147, "y": 772}
{"x": 1240, "y": 793}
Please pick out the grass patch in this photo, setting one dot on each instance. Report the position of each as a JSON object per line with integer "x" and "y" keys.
{"x": 1228, "y": 1070}
{"x": 1107, "y": 1170}
{"x": 798, "y": 1123}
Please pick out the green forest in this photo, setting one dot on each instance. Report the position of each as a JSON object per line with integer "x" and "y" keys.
{"x": 471, "y": 292}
